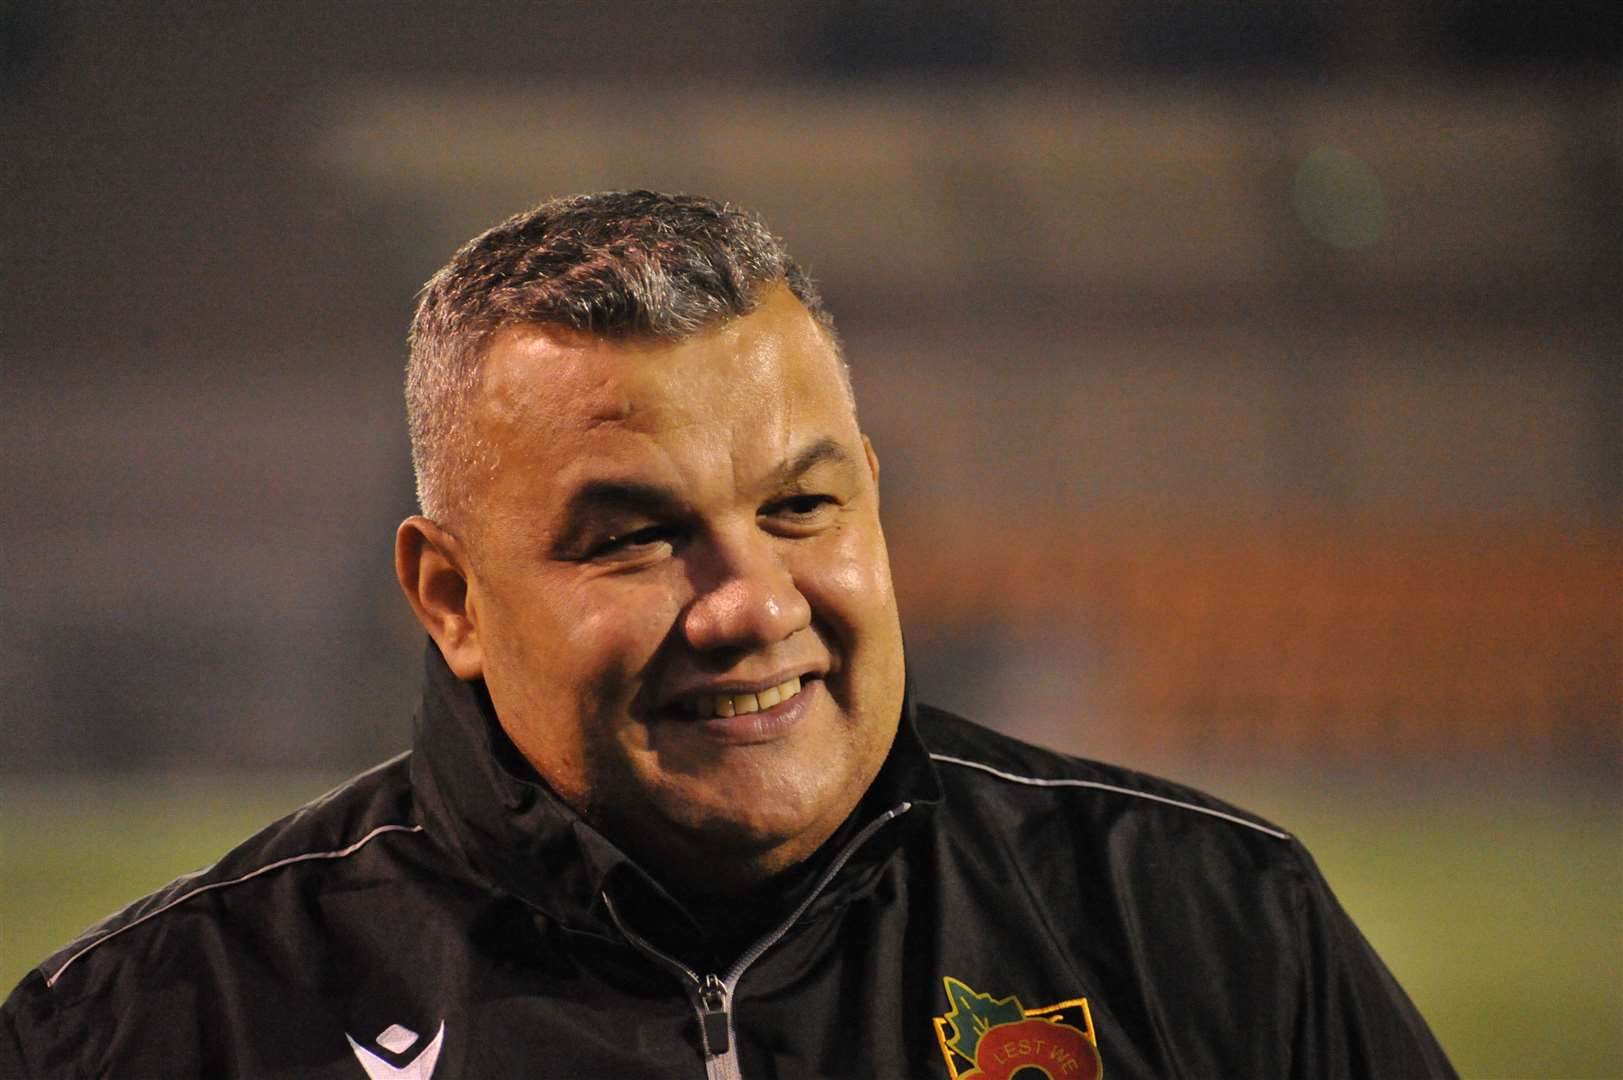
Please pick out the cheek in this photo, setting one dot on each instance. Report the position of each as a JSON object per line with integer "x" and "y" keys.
{"x": 850, "y": 582}
{"x": 612, "y": 637}
{"x": 583, "y": 646}
{"x": 570, "y": 671}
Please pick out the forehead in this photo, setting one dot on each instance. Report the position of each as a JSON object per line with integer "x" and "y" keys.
{"x": 563, "y": 400}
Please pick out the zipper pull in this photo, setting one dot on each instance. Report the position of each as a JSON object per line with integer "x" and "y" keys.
{"x": 713, "y": 1015}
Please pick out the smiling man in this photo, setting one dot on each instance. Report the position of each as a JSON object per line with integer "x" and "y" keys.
{"x": 674, "y": 586}
{"x": 671, "y": 810}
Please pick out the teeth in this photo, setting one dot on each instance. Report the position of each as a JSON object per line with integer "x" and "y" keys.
{"x": 744, "y": 704}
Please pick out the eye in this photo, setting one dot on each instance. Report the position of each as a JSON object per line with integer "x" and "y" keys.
{"x": 633, "y": 543}
{"x": 801, "y": 512}
{"x": 802, "y": 505}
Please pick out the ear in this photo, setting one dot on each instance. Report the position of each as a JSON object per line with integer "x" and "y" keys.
{"x": 432, "y": 568}
{"x": 873, "y": 460}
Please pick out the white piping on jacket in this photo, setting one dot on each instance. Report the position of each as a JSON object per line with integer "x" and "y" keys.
{"x": 201, "y": 889}
{"x": 1035, "y": 781}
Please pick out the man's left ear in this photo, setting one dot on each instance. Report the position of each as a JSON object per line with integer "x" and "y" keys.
{"x": 873, "y": 459}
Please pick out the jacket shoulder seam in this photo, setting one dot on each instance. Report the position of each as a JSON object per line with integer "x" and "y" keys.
{"x": 1099, "y": 785}
{"x": 336, "y": 853}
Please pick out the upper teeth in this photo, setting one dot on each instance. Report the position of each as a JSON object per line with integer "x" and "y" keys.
{"x": 741, "y": 704}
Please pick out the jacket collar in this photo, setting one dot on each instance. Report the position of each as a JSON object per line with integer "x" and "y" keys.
{"x": 484, "y": 801}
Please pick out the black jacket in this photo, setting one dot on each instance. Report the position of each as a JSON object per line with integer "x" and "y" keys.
{"x": 991, "y": 903}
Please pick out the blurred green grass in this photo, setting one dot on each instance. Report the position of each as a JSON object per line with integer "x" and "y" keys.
{"x": 1500, "y": 908}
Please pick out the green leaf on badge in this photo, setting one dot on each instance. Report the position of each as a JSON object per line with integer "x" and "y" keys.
{"x": 973, "y": 1015}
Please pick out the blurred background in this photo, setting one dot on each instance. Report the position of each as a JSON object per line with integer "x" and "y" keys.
{"x": 1246, "y": 377}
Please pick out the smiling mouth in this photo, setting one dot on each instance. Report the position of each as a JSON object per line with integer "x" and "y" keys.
{"x": 727, "y": 705}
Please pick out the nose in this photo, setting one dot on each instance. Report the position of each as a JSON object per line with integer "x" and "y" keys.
{"x": 747, "y": 598}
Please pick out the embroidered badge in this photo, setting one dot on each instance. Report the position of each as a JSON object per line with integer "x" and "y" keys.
{"x": 987, "y": 1038}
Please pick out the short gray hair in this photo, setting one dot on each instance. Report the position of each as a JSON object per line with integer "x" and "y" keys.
{"x": 614, "y": 264}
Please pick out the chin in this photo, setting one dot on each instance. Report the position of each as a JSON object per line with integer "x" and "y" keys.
{"x": 726, "y": 831}
{"x": 752, "y": 826}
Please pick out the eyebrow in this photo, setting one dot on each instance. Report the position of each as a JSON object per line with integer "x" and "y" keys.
{"x": 599, "y": 497}
{"x": 824, "y": 450}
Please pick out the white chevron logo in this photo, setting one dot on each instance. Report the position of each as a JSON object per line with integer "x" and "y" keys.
{"x": 399, "y": 1039}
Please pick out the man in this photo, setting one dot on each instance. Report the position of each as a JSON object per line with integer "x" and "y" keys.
{"x": 671, "y": 811}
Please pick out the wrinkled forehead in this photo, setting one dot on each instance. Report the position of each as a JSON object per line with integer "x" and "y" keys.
{"x": 545, "y": 382}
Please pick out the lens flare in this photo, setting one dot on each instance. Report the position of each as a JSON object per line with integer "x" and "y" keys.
{"x": 1338, "y": 199}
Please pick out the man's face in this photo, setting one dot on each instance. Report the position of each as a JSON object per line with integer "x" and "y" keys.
{"x": 671, "y": 538}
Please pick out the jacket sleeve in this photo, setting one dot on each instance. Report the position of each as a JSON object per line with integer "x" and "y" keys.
{"x": 12, "y": 1064}
{"x": 1355, "y": 1020}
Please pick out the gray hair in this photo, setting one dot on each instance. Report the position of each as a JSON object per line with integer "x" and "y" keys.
{"x": 614, "y": 264}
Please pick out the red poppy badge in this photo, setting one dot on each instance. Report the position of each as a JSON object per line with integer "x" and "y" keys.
{"x": 987, "y": 1038}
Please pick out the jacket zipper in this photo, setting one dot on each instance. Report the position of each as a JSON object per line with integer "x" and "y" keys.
{"x": 713, "y": 1019}
{"x": 712, "y": 995}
